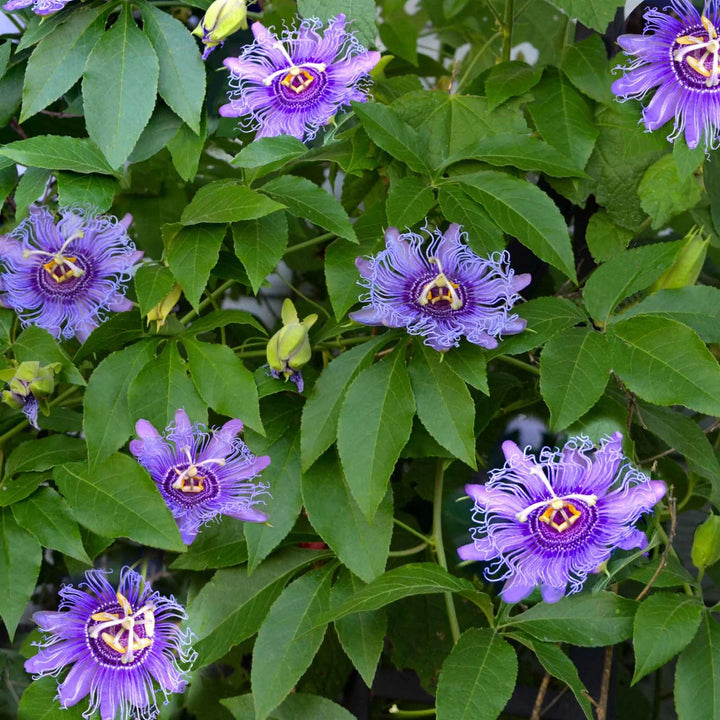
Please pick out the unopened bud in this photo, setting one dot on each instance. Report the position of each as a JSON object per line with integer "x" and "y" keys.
{"x": 289, "y": 348}
{"x": 706, "y": 544}
{"x": 222, "y": 19}
{"x": 14, "y": 401}
{"x": 160, "y": 312}
{"x": 686, "y": 268}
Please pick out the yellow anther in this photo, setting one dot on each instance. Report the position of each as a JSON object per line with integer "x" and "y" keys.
{"x": 567, "y": 511}
{"x": 104, "y": 617}
{"x": 297, "y": 79}
{"x": 441, "y": 289}
{"x": 712, "y": 33}
{"x": 60, "y": 262}
{"x": 697, "y": 66}
{"x": 688, "y": 40}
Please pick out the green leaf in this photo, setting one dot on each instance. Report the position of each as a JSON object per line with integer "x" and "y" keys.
{"x": 223, "y": 318}
{"x": 226, "y": 201}
{"x": 361, "y": 635}
{"x": 5, "y": 49}
{"x": 34, "y": 343}
{"x": 119, "y": 499}
{"x": 16, "y": 489}
{"x": 585, "y": 620}
{"x": 664, "y": 625}
{"x": 374, "y": 425}
{"x": 219, "y": 544}
{"x": 322, "y": 409}
{"x": 161, "y": 388}
{"x": 30, "y": 188}
{"x": 192, "y": 253}
{"x": 470, "y": 363}
{"x": 120, "y": 330}
{"x": 409, "y": 201}
{"x": 400, "y": 37}
{"x": 509, "y": 79}
{"x": 265, "y": 155}
{"x": 563, "y": 118}
{"x": 402, "y": 582}
{"x": 58, "y": 152}
{"x": 260, "y": 245}
{"x": 20, "y": 558}
{"x": 38, "y": 27}
{"x": 47, "y": 516}
{"x": 604, "y": 238}
{"x": 58, "y": 61}
{"x": 391, "y": 134}
{"x": 574, "y": 370}
{"x": 586, "y": 64}
{"x": 360, "y": 545}
{"x": 624, "y": 274}
{"x": 523, "y": 210}
{"x": 159, "y": 131}
{"x": 119, "y": 85}
{"x": 43, "y": 454}
{"x": 186, "y": 148}
{"x": 288, "y": 639}
{"x": 484, "y": 236}
{"x": 107, "y": 419}
{"x": 697, "y": 675}
{"x": 665, "y": 363}
{"x": 304, "y": 199}
{"x": 520, "y": 151}
{"x": 39, "y": 703}
{"x": 360, "y": 12}
{"x": 477, "y": 678}
{"x": 284, "y": 477}
{"x": 688, "y": 161}
{"x": 596, "y": 14}
{"x": 97, "y": 190}
{"x": 181, "y": 82}
{"x": 231, "y": 607}
{"x": 295, "y": 706}
{"x": 664, "y": 194}
{"x": 696, "y": 306}
{"x": 444, "y": 405}
{"x": 152, "y": 284}
{"x": 223, "y": 382}
{"x": 683, "y": 434}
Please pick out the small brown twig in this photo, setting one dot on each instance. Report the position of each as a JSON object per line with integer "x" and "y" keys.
{"x": 672, "y": 509}
{"x": 540, "y": 699}
{"x": 605, "y": 685}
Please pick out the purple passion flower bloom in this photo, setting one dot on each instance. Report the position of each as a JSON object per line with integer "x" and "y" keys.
{"x": 680, "y": 56}
{"x": 39, "y": 7}
{"x": 550, "y": 522}
{"x": 65, "y": 276}
{"x": 294, "y": 84}
{"x": 201, "y": 475}
{"x": 120, "y": 645}
{"x": 441, "y": 292}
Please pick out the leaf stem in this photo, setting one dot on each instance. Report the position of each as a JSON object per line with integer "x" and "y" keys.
{"x": 507, "y": 30}
{"x": 309, "y": 243}
{"x": 410, "y": 551}
{"x": 413, "y": 531}
{"x": 396, "y": 712}
{"x": 527, "y": 367}
{"x": 209, "y": 300}
{"x": 440, "y": 548}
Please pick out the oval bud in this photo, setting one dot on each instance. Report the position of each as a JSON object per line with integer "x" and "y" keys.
{"x": 706, "y": 543}
{"x": 222, "y": 19}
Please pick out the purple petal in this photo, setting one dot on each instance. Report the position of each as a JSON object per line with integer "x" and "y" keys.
{"x": 516, "y": 589}
{"x": 552, "y": 594}
{"x": 663, "y": 106}
{"x": 248, "y": 514}
{"x": 77, "y": 684}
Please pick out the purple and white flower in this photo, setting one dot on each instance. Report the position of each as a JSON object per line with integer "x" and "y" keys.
{"x": 551, "y": 521}
{"x": 121, "y": 645}
{"x": 65, "y": 276}
{"x": 680, "y": 56}
{"x": 442, "y": 291}
{"x": 202, "y": 475}
{"x": 39, "y": 7}
{"x": 292, "y": 84}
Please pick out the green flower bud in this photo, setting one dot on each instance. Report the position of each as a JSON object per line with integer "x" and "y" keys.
{"x": 289, "y": 348}
{"x": 27, "y": 371}
{"x": 706, "y": 544}
{"x": 159, "y": 314}
{"x": 222, "y": 19}
{"x": 12, "y": 400}
{"x": 686, "y": 268}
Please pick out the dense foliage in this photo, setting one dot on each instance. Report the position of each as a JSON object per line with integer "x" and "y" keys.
{"x": 359, "y": 439}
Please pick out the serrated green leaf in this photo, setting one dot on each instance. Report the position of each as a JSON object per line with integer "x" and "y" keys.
{"x": 223, "y": 318}
{"x": 57, "y": 152}
{"x": 47, "y": 516}
{"x": 265, "y": 155}
{"x": 360, "y": 12}
{"x": 509, "y": 79}
{"x": 665, "y": 363}
{"x": 219, "y": 544}
{"x": 374, "y": 425}
{"x": 120, "y": 81}
{"x": 58, "y": 61}
{"x": 119, "y": 330}
{"x": 470, "y": 363}
{"x": 304, "y": 199}
{"x": 260, "y": 245}
{"x": 289, "y": 632}
{"x": 30, "y": 188}
{"x": 96, "y": 190}
{"x": 596, "y": 14}
{"x": 39, "y": 703}
{"x": 181, "y": 82}
{"x": 156, "y": 135}
{"x": 624, "y": 274}
{"x": 20, "y": 558}
{"x": 664, "y": 194}
{"x": 13, "y": 490}
{"x": 360, "y": 545}
{"x": 523, "y": 210}
{"x": 664, "y": 625}
{"x": 484, "y": 236}
{"x": 586, "y": 64}
{"x": 409, "y": 201}
{"x": 186, "y": 148}
{"x": 191, "y": 253}
{"x": 444, "y": 405}
{"x": 295, "y": 706}
{"x": 118, "y": 498}
{"x": 604, "y": 238}
{"x": 477, "y": 678}
{"x": 43, "y": 454}
{"x": 163, "y": 387}
{"x": 226, "y": 201}
{"x": 574, "y": 370}
{"x": 152, "y": 284}
{"x": 34, "y": 343}
{"x": 107, "y": 419}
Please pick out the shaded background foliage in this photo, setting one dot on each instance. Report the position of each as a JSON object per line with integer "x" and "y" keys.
{"x": 495, "y": 115}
